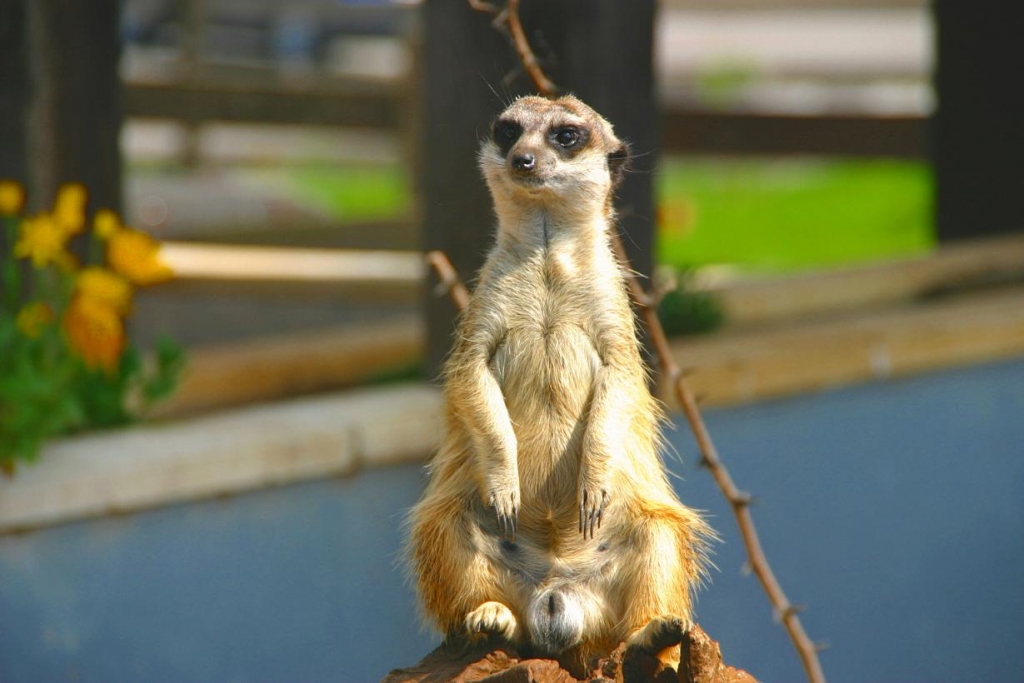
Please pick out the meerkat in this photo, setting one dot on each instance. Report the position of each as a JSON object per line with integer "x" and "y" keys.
{"x": 548, "y": 518}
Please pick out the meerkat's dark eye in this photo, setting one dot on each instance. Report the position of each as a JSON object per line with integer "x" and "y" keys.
{"x": 505, "y": 134}
{"x": 507, "y": 131}
{"x": 567, "y": 137}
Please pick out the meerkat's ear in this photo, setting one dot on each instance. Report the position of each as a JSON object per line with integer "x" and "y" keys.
{"x": 618, "y": 163}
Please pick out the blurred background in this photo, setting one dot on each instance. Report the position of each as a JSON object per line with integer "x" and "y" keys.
{"x": 827, "y": 192}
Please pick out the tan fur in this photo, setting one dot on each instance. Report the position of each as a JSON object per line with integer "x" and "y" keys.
{"x": 553, "y": 438}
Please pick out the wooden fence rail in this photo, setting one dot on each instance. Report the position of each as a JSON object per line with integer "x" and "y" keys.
{"x": 385, "y": 106}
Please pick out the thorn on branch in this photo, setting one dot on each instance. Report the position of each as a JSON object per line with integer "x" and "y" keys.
{"x": 500, "y": 21}
{"x": 481, "y": 6}
{"x": 793, "y": 610}
{"x": 646, "y": 300}
{"x": 822, "y": 645}
{"x": 508, "y": 79}
{"x": 789, "y": 611}
{"x": 654, "y": 298}
{"x": 441, "y": 289}
{"x": 742, "y": 500}
{"x": 449, "y": 278}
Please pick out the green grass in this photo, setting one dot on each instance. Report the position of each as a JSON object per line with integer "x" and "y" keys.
{"x": 792, "y": 214}
{"x": 769, "y": 215}
{"x": 353, "y": 193}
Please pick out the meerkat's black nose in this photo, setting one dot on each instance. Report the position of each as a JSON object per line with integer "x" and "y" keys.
{"x": 524, "y": 162}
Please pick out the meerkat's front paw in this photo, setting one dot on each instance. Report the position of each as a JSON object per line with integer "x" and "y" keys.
{"x": 593, "y": 499}
{"x": 492, "y": 618}
{"x": 504, "y": 498}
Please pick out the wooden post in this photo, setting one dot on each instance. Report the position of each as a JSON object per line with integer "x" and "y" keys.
{"x": 464, "y": 61}
{"x": 600, "y": 50}
{"x": 74, "y": 100}
{"x": 603, "y": 52}
{"x": 14, "y": 93}
{"x": 192, "y": 21}
{"x": 978, "y": 138}
{"x": 14, "y": 88}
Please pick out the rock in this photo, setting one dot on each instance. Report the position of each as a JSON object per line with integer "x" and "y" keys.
{"x": 701, "y": 661}
{"x": 496, "y": 662}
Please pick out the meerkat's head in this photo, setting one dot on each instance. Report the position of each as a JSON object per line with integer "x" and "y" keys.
{"x": 546, "y": 151}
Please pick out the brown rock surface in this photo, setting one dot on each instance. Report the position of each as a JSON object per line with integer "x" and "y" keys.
{"x": 495, "y": 662}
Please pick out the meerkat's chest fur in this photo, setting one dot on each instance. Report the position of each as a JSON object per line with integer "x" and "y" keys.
{"x": 557, "y": 295}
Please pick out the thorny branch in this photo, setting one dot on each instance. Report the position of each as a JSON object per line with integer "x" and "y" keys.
{"x": 509, "y": 18}
{"x": 738, "y": 500}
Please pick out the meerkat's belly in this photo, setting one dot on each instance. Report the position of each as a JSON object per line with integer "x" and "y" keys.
{"x": 547, "y": 373}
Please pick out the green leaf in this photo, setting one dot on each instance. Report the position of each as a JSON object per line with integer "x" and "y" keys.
{"x": 102, "y": 398}
{"x": 170, "y": 362}
{"x": 12, "y": 285}
{"x": 684, "y": 312}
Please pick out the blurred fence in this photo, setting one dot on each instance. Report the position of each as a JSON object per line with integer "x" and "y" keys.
{"x": 197, "y": 91}
{"x": 381, "y": 105}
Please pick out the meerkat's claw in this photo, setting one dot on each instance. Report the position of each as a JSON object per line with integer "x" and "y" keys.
{"x": 507, "y": 524}
{"x": 491, "y": 618}
{"x": 592, "y": 506}
{"x": 506, "y": 511}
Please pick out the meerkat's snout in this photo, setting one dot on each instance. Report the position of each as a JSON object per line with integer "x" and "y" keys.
{"x": 523, "y": 163}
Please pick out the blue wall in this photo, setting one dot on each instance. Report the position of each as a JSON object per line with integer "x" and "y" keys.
{"x": 895, "y": 511}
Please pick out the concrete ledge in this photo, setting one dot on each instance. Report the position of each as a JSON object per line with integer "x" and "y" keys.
{"x": 965, "y": 266}
{"x": 272, "y": 368}
{"x": 738, "y": 366}
{"x": 241, "y": 450}
{"x": 289, "y": 441}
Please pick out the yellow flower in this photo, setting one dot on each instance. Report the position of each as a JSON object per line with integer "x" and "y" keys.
{"x": 94, "y": 332}
{"x": 105, "y": 287}
{"x": 69, "y": 209}
{"x": 33, "y": 317}
{"x": 12, "y": 198}
{"x": 105, "y": 224}
{"x": 43, "y": 241}
{"x": 136, "y": 255}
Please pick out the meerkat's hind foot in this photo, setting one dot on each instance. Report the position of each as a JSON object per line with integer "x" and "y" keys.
{"x": 659, "y": 634}
{"x": 492, "y": 618}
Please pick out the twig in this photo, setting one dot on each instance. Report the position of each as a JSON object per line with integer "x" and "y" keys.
{"x": 450, "y": 283}
{"x": 509, "y": 18}
{"x": 738, "y": 500}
